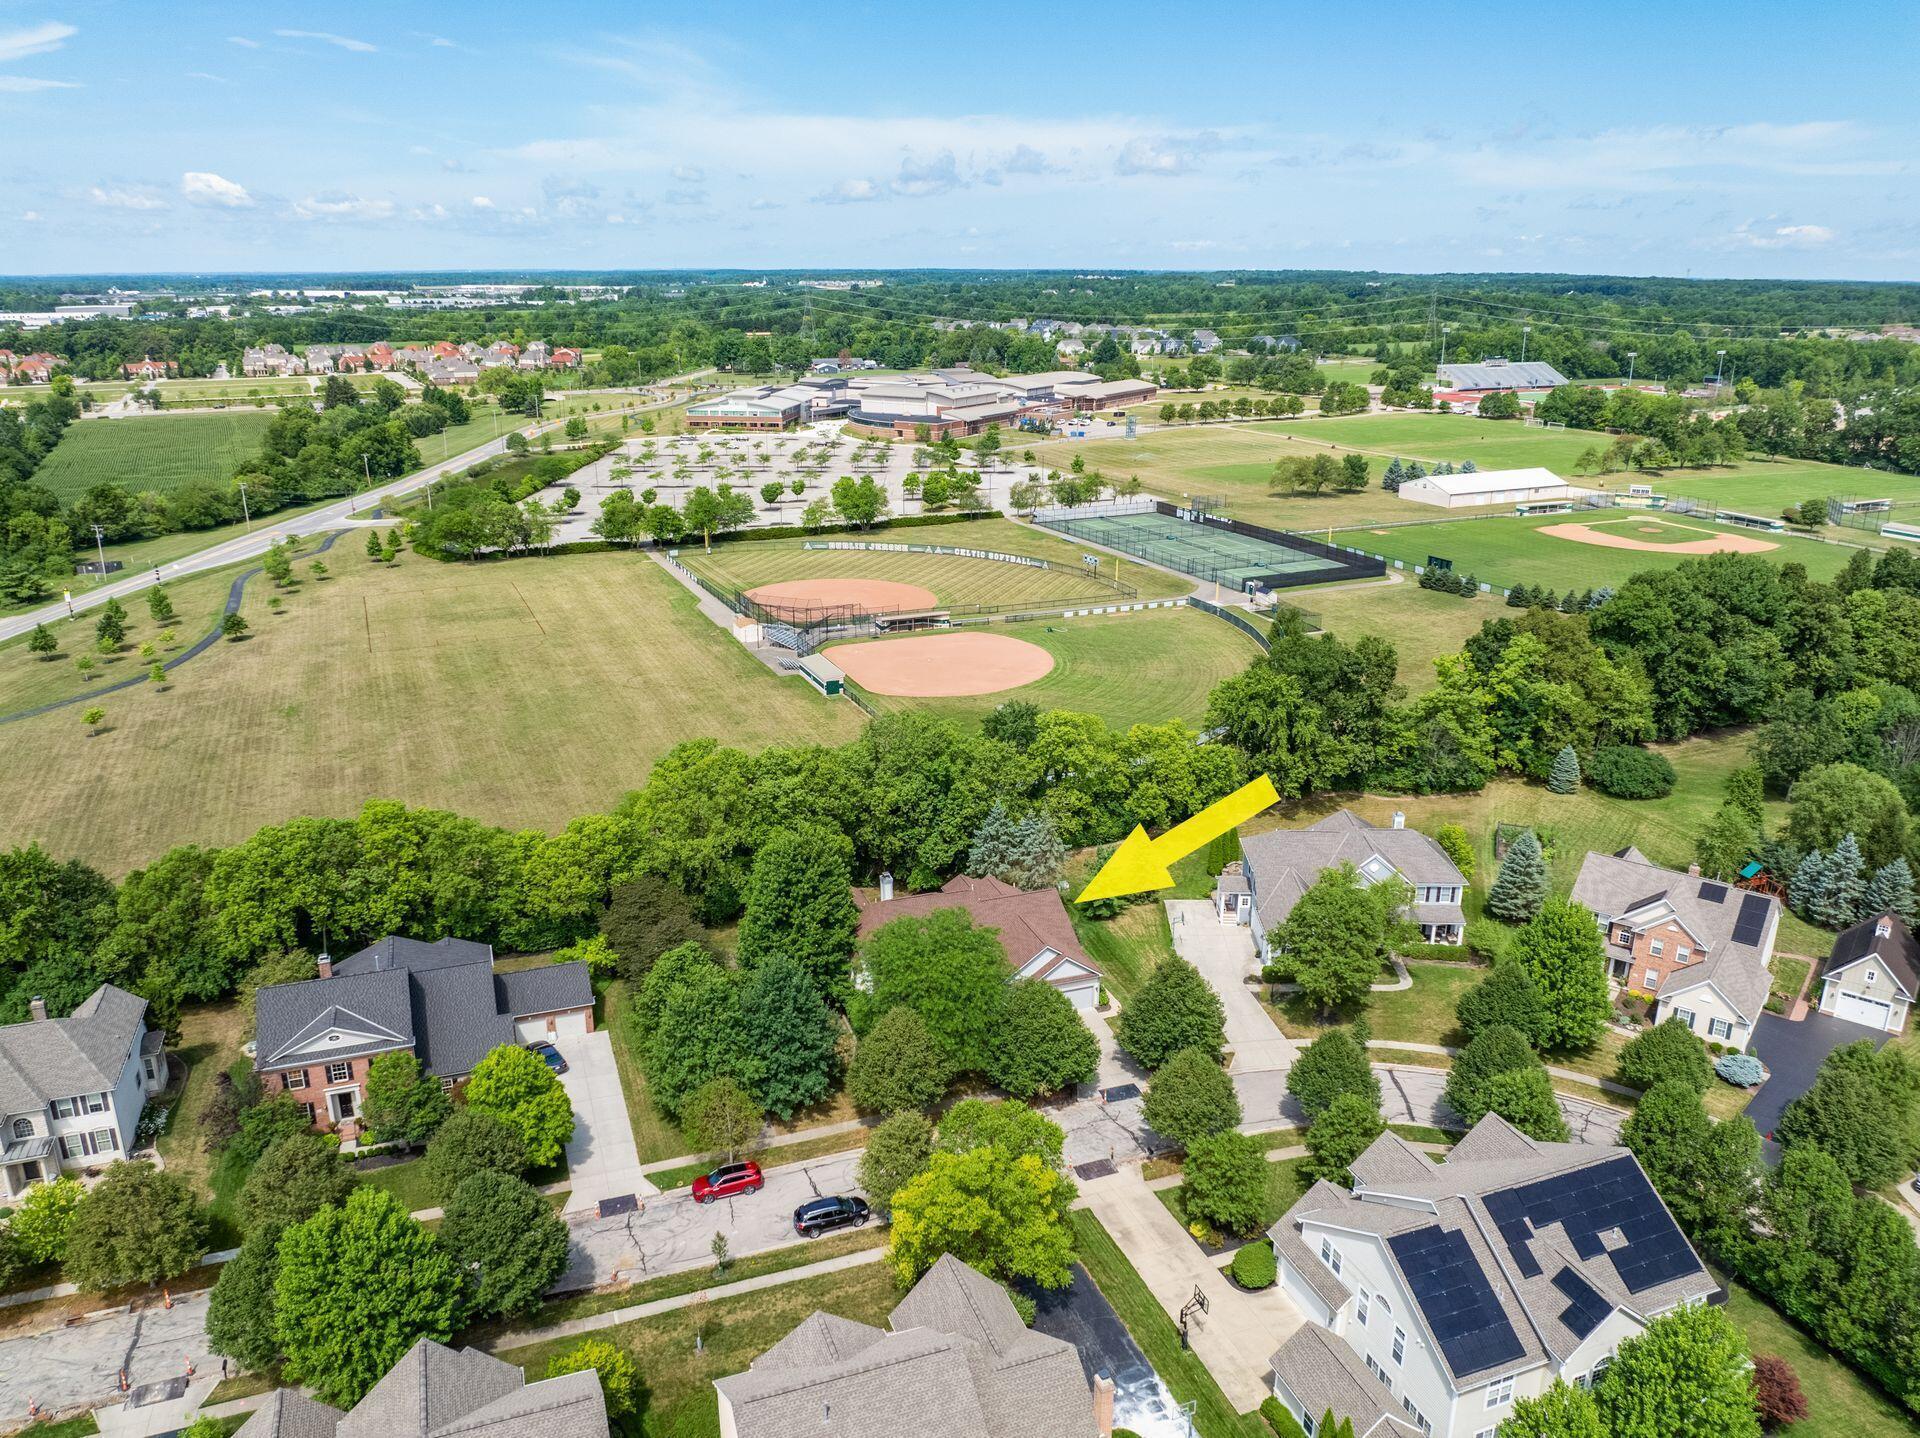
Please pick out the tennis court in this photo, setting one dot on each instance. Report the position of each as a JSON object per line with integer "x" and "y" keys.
{"x": 1205, "y": 550}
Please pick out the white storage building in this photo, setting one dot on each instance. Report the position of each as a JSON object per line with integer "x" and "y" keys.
{"x": 1489, "y": 486}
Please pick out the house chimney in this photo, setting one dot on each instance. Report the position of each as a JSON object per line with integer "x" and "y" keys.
{"x": 1103, "y": 1405}
{"x": 1399, "y": 819}
{"x": 886, "y": 885}
{"x": 1693, "y": 871}
{"x": 323, "y": 966}
{"x": 37, "y": 1006}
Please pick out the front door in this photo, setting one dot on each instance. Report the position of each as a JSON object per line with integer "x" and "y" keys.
{"x": 340, "y": 1104}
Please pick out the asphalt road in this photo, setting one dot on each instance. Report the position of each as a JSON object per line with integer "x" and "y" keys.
{"x": 63, "y": 1368}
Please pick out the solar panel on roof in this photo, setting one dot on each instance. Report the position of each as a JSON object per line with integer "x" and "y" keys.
{"x": 1457, "y": 1301}
{"x": 1639, "y": 904}
{"x": 1714, "y": 893}
{"x": 1591, "y": 1204}
{"x": 1752, "y": 922}
{"x": 1585, "y": 1308}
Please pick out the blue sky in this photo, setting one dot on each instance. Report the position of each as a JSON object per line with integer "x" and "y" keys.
{"x": 1711, "y": 139}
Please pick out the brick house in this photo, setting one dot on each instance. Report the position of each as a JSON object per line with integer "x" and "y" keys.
{"x": 443, "y": 1002}
{"x": 148, "y": 368}
{"x": 1699, "y": 948}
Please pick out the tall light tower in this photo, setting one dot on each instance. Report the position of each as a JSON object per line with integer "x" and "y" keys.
{"x": 1719, "y": 368}
{"x": 1632, "y": 355}
{"x": 1444, "y": 331}
{"x": 1525, "y": 330}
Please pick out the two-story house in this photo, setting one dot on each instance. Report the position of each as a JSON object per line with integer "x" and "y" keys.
{"x": 71, "y": 1089}
{"x": 1873, "y": 974}
{"x": 1699, "y": 948}
{"x": 1437, "y": 1294}
{"x": 441, "y": 1002}
{"x": 1276, "y": 868}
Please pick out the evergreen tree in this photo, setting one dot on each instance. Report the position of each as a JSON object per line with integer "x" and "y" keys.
{"x": 42, "y": 642}
{"x": 1807, "y": 890}
{"x": 1467, "y": 466}
{"x": 1394, "y": 477}
{"x": 1891, "y": 891}
{"x": 1564, "y": 777}
{"x": 1846, "y": 886}
{"x": 1520, "y": 888}
{"x": 992, "y": 847}
{"x": 1416, "y": 470}
{"x": 789, "y": 1038}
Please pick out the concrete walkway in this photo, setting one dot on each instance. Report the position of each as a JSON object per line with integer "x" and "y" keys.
{"x": 1239, "y": 1332}
{"x": 1570, "y": 1075}
{"x": 600, "y": 1155}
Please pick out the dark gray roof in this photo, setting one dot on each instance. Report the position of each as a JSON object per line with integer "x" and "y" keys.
{"x": 289, "y": 1413}
{"x": 1283, "y": 863}
{"x": 413, "y": 955}
{"x": 293, "y": 1021}
{"x": 85, "y": 1052}
{"x": 1501, "y": 374}
{"x": 1898, "y": 951}
{"x": 549, "y": 989}
{"x": 427, "y": 1389}
{"x": 1321, "y": 1372}
{"x": 457, "y": 1018}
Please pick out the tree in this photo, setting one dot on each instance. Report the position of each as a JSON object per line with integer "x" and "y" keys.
{"x": 800, "y": 904}
{"x": 643, "y": 919}
{"x": 278, "y": 565}
{"x": 358, "y": 1286}
{"x": 1024, "y": 852}
{"x": 897, "y": 1066}
{"x": 160, "y": 605}
{"x": 157, "y": 674}
{"x": 1011, "y": 1127}
{"x": 111, "y": 628}
{"x": 234, "y": 627}
{"x": 1041, "y": 1046}
{"x": 708, "y": 512}
{"x": 1506, "y": 996}
{"x": 1520, "y": 887}
{"x": 404, "y": 1104}
{"x": 859, "y": 501}
{"x": 897, "y": 1149}
{"x": 620, "y": 1383}
{"x": 1331, "y": 1065}
{"x": 1777, "y": 1397}
{"x": 789, "y": 1038}
{"x": 1562, "y": 1411}
{"x": 1226, "y": 1185}
{"x": 721, "y": 1117}
{"x": 1840, "y": 898}
{"x": 137, "y": 1225}
{"x": 770, "y": 493}
{"x": 1727, "y": 844}
{"x": 1452, "y": 838}
{"x": 1524, "y": 1098}
{"x": 43, "y": 1218}
{"x": 516, "y": 1086}
{"x": 1668, "y": 1051}
{"x": 93, "y": 719}
{"x": 1004, "y": 1215}
{"x": 241, "y": 1316}
{"x": 1564, "y": 777}
{"x": 1850, "y": 1115}
{"x": 1174, "y": 1009}
{"x": 473, "y": 1141}
{"x": 1560, "y": 949}
{"x": 1339, "y": 933}
{"x": 951, "y": 973}
{"x": 1341, "y": 1135}
{"x": 1890, "y": 891}
{"x": 294, "y": 1179}
{"x": 1495, "y": 1050}
{"x": 1834, "y": 800}
{"x": 1353, "y": 473}
{"x": 506, "y": 1240}
{"x": 42, "y": 642}
{"x": 1687, "y": 1376}
{"x": 376, "y": 552}
{"x": 1190, "y": 1098}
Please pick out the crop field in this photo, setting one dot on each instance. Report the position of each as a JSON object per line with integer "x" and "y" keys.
{"x": 1508, "y": 550}
{"x": 521, "y": 693}
{"x": 1139, "y": 668}
{"x": 158, "y": 452}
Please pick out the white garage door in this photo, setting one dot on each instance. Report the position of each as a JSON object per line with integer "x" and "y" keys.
{"x": 1085, "y": 996}
{"x": 564, "y": 1026}
{"x": 1858, "y": 1009}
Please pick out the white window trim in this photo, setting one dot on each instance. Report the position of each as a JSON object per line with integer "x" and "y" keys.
{"x": 1500, "y": 1391}
{"x": 1400, "y": 1346}
{"x": 1720, "y": 1028}
{"x": 1657, "y": 947}
{"x": 1685, "y": 1016}
{"x": 1361, "y": 1306}
{"x": 335, "y": 1074}
{"x": 1651, "y": 978}
{"x": 296, "y": 1080}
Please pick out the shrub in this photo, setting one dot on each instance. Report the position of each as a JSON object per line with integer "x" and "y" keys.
{"x": 619, "y": 1375}
{"x": 1626, "y": 771}
{"x": 1743, "y": 1070}
{"x": 1459, "y": 848}
{"x": 41, "y": 1220}
{"x": 1669, "y": 1050}
{"x": 1282, "y": 1422}
{"x": 1777, "y": 1394}
{"x": 1254, "y": 1266}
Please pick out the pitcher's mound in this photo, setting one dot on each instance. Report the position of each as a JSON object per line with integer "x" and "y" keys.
{"x": 940, "y": 666}
{"x": 809, "y": 599}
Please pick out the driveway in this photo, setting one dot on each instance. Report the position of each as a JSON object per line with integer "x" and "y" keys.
{"x": 670, "y": 1233}
{"x": 66, "y": 1367}
{"x": 1793, "y": 1053}
{"x": 1225, "y": 956}
{"x": 600, "y": 1155}
{"x": 1418, "y": 1095}
{"x": 1080, "y": 1314}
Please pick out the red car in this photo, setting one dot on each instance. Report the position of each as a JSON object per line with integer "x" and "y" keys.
{"x": 727, "y": 1180}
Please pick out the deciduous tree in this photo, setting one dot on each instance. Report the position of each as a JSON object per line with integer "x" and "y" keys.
{"x": 1041, "y": 1046}
{"x": 1005, "y": 1216}
{"x": 516, "y": 1086}
{"x": 897, "y": 1149}
{"x": 721, "y": 1117}
{"x": 1174, "y": 1009}
{"x": 799, "y": 903}
{"x": 1340, "y": 1135}
{"x": 506, "y": 1240}
{"x": 294, "y": 1179}
{"x": 137, "y": 1225}
{"x": 1190, "y": 1098}
{"x": 947, "y": 970}
{"x": 788, "y": 1038}
{"x": 1331, "y": 1065}
{"x": 473, "y": 1141}
{"x": 1226, "y": 1182}
{"x": 1687, "y": 1376}
{"x": 1561, "y": 951}
{"x": 404, "y": 1104}
{"x": 897, "y": 1067}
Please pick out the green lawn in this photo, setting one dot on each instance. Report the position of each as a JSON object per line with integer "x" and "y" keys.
{"x": 655, "y": 1136}
{"x": 1422, "y": 624}
{"x": 1840, "y": 1403}
{"x": 1159, "y": 1340}
{"x": 407, "y": 1182}
{"x": 158, "y": 452}
{"x": 1421, "y": 1014}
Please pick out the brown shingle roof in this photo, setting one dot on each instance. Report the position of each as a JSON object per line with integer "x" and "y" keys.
{"x": 1029, "y": 920}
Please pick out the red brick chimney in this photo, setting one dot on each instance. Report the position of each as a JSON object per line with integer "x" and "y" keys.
{"x": 323, "y": 966}
{"x": 1103, "y": 1405}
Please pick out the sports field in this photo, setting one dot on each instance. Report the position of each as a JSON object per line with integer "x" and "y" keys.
{"x": 1217, "y": 555}
{"x": 1138, "y": 668}
{"x": 159, "y": 452}
{"x": 1510, "y": 550}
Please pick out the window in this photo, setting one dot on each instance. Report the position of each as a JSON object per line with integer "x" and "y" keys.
{"x": 1720, "y": 1028}
{"x": 105, "y": 1140}
{"x": 446, "y": 1085}
{"x": 1360, "y": 1310}
{"x": 1306, "y": 1424}
{"x": 64, "y": 1107}
{"x": 1653, "y": 978}
{"x": 1399, "y": 1345}
{"x": 1486, "y": 1433}
{"x": 23, "y": 1128}
{"x": 1682, "y": 955}
{"x": 1872, "y": 974}
{"x": 306, "y": 1112}
{"x": 73, "y": 1145}
{"x": 1416, "y": 1415}
{"x": 1373, "y": 1367}
{"x": 1330, "y": 1255}
{"x": 1685, "y": 1016}
{"x": 1500, "y": 1391}
{"x": 96, "y": 1103}
{"x": 1386, "y": 1308}
{"x": 1657, "y": 948}
{"x": 1599, "y": 1371}
{"x": 339, "y": 1073}
{"x": 297, "y": 1079}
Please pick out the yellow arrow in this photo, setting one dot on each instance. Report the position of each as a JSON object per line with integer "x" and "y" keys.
{"x": 1141, "y": 864}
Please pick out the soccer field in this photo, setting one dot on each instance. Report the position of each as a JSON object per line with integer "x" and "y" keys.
{"x": 159, "y": 452}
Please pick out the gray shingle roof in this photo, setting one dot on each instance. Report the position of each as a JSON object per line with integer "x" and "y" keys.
{"x": 1898, "y": 951}
{"x": 291, "y": 1020}
{"x": 1283, "y": 863}
{"x": 1321, "y": 1372}
{"x": 86, "y": 1052}
{"x": 289, "y": 1413}
{"x": 544, "y": 990}
{"x": 413, "y": 955}
{"x": 456, "y": 1018}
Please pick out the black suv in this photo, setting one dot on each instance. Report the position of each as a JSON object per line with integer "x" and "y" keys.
{"x": 823, "y": 1215}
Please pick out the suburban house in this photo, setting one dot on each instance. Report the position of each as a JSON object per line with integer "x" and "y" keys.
{"x": 958, "y": 1362}
{"x": 441, "y": 1392}
{"x": 71, "y": 1089}
{"x": 443, "y": 1002}
{"x": 1276, "y": 868}
{"x": 1033, "y": 925}
{"x": 1699, "y": 948}
{"x": 1437, "y": 1294}
{"x": 148, "y": 368}
{"x": 258, "y": 361}
{"x": 1872, "y": 974}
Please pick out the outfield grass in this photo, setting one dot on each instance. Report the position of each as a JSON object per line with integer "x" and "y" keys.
{"x": 1141, "y": 668}
{"x": 157, "y": 452}
{"x": 521, "y": 693}
{"x": 1422, "y": 624}
{"x": 1506, "y": 550}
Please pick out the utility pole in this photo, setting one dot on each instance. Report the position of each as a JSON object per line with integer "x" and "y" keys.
{"x": 245, "y": 512}
{"x": 1444, "y": 330}
{"x": 99, "y": 548}
{"x": 1525, "y": 330}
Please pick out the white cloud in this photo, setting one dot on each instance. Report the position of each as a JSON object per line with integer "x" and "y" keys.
{"x": 208, "y": 76}
{"x": 932, "y": 176}
{"x": 441, "y": 42}
{"x": 1783, "y": 237}
{"x": 481, "y": 202}
{"x": 345, "y": 42}
{"x": 334, "y": 206}
{"x": 121, "y": 197}
{"x": 243, "y": 42}
{"x": 1163, "y": 154}
{"x": 848, "y": 192}
{"x": 26, "y": 85}
{"x": 203, "y": 187}
{"x": 689, "y": 174}
{"x": 32, "y": 217}
{"x": 1023, "y": 159}
{"x": 763, "y": 203}
{"x": 34, "y": 40}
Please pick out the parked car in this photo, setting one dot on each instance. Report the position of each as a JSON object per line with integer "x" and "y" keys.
{"x": 551, "y": 1054}
{"x": 727, "y": 1180}
{"x": 824, "y": 1215}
